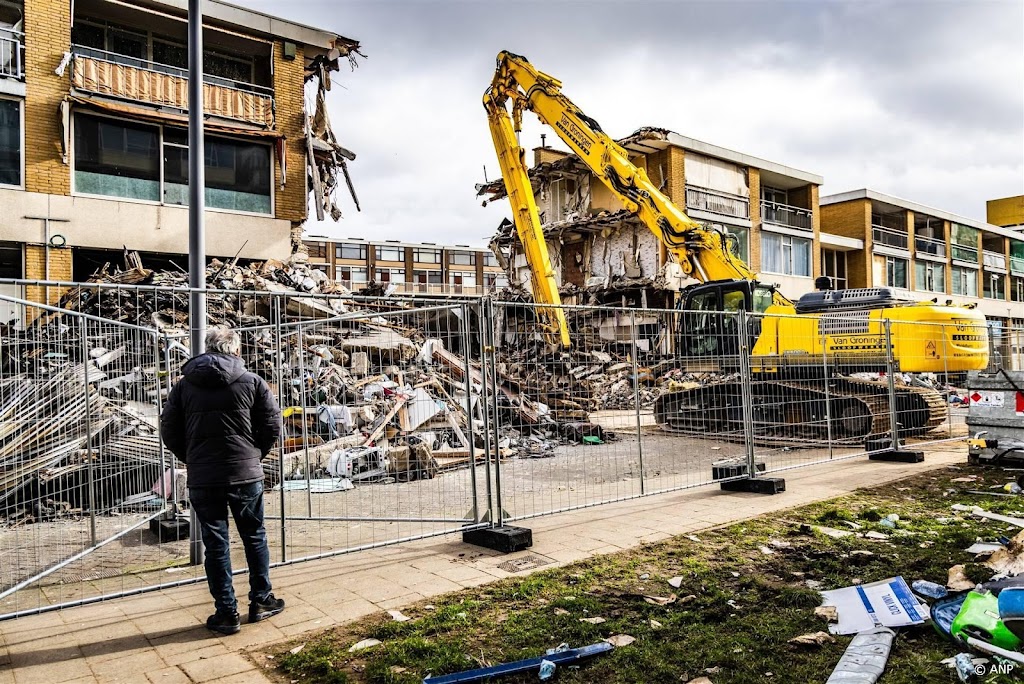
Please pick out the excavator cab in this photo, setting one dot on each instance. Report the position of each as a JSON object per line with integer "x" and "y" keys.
{"x": 710, "y": 324}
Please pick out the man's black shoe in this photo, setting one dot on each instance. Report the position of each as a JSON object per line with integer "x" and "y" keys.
{"x": 269, "y": 607}
{"x": 224, "y": 623}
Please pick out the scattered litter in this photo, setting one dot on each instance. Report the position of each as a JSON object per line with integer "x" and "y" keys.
{"x": 830, "y": 531}
{"x": 661, "y": 600}
{"x": 828, "y": 613}
{"x": 561, "y": 611}
{"x": 298, "y": 648}
{"x": 890, "y": 602}
{"x": 569, "y": 656}
{"x": 593, "y": 620}
{"x": 363, "y": 645}
{"x": 397, "y": 669}
{"x": 929, "y": 589}
{"x": 865, "y": 658}
{"x": 547, "y": 669}
{"x": 875, "y": 535}
{"x": 861, "y": 552}
{"x": 397, "y": 616}
{"x": 645, "y": 575}
{"x": 693, "y": 538}
{"x": 620, "y": 640}
{"x": 980, "y": 548}
{"x": 675, "y": 582}
{"x": 813, "y": 639}
{"x": 655, "y": 624}
{"x": 766, "y": 551}
{"x": 958, "y": 580}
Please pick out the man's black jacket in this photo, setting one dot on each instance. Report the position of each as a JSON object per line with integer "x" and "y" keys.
{"x": 220, "y": 420}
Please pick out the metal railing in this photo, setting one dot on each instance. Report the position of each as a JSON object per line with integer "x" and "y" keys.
{"x": 703, "y": 199}
{"x": 12, "y": 53}
{"x": 889, "y": 238}
{"x": 1017, "y": 265}
{"x": 964, "y": 253}
{"x": 787, "y": 215}
{"x": 993, "y": 259}
{"x": 931, "y": 246}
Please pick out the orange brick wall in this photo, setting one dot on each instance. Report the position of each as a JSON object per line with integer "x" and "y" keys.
{"x": 852, "y": 219}
{"x": 35, "y": 269}
{"x": 754, "y": 182}
{"x": 291, "y": 202}
{"x": 47, "y": 36}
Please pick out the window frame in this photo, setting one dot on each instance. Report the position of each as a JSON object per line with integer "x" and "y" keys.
{"x": 340, "y": 246}
{"x": 438, "y": 259}
{"x": 890, "y": 265}
{"x": 462, "y": 253}
{"x": 73, "y": 152}
{"x": 790, "y": 264}
{"x": 21, "y": 140}
{"x": 379, "y": 249}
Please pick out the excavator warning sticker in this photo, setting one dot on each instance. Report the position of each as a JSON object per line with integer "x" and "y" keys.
{"x": 987, "y": 399}
{"x": 930, "y": 350}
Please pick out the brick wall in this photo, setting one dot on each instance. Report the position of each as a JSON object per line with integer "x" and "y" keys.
{"x": 290, "y": 203}
{"x": 754, "y": 183}
{"x": 546, "y": 154}
{"x": 47, "y": 37}
{"x": 35, "y": 269}
{"x": 812, "y": 204}
{"x": 852, "y": 219}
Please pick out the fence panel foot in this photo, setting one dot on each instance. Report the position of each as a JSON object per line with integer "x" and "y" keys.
{"x": 756, "y": 485}
{"x": 505, "y": 538}
{"x": 897, "y": 456}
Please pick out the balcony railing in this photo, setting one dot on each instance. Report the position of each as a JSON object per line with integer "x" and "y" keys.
{"x": 993, "y": 259}
{"x": 889, "y": 238}
{"x": 140, "y": 80}
{"x": 786, "y": 215}
{"x": 968, "y": 254}
{"x": 1017, "y": 265}
{"x": 12, "y": 53}
{"x": 717, "y": 202}
{"x": 931, "y": 246}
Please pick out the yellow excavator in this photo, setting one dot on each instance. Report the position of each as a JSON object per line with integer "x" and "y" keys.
{"x": 825, "y": 334}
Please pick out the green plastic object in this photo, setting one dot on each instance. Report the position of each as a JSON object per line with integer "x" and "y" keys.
{"x": 592, "y": 440}
{"x": 979, "y": 618}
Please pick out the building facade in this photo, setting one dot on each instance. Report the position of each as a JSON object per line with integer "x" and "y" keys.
{"x": 928, "y": 253}
{"x": 93, "y": 132}
{"x": 424, "y": 268}
{"x": 598, "y": 248}
{"x": 1007, "y": 212}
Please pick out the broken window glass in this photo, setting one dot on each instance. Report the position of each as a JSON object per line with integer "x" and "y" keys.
{"x": 116, "y": 158}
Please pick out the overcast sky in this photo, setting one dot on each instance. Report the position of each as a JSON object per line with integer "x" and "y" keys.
{"x": 922, "y": 100}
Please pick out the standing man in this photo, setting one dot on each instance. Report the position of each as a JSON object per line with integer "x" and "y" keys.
{"x": 221, "y": 421}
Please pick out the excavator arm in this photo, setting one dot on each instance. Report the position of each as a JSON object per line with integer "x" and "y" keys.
{"x": 701, "y": 252}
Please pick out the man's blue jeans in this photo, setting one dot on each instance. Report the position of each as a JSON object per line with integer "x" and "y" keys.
{"x": 211, "y": 505}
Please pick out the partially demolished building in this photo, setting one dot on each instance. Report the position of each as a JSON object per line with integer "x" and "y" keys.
{"x": 603, "y": 253}
{"x": 93, "y": 119}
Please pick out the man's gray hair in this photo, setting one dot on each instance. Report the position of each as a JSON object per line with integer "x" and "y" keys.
{"x": 222, "y": 340}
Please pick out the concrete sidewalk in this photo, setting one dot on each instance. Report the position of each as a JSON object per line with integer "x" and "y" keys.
{"x": 161, "y": 637}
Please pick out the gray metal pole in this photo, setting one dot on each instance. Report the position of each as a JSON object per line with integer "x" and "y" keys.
{"x": 196, "y": 205}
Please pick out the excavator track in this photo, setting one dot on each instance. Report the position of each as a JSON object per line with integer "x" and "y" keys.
{"x": 843, "y": 411}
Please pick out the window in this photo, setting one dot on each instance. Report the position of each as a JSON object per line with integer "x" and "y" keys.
{"x": 226, "y": 67}
{"x": 467, "y": 279}
{"x": 426, "y": 256}
{"x": 390, "y": 275}
{"x": 462, "y": 258}
{"x": 428, "y": 278}
{"x": 170, "y": 52}
{"x": 738, "y": 238}
{"x": 317, "y": 250}
{"x": 491, "y": 281}
{"x": 10, "y": 142}
{"x": 965, "y": 281}
{"x": 490, "y": 259}
{"x": 116, "y": 158}
{"x": 389, "y": 253}
{"x": 895, "y": 272}
{"x": 833, "y": 265}
{"x": 1017, "y": 289}
{"x": 965, "y": 242}
{"x": 10, "y": 260}
{"x": 128, "y": 43}
{"x": 238, "y": 174}
{"x": 785, "y": 254}
{"x": 349, "y": 251}
{"x": 350, "y": 274}
{"x": 929, "y": 276}
{"x": 995, "y": 286}
{"x": 775, "y": 195}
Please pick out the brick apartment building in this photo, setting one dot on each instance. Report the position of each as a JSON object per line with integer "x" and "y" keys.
{"x": 93, "y": 144}
{"x": 925, "y": 253}
{"x": 598, "y": 247}
{"x": 419, "y": 267}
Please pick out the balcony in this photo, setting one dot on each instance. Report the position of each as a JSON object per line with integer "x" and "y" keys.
{"x": 993, "y": 260}
{"x": 143, "y": 81}
{"x": 887, "y": 237}
{"x": 930, "y": 246}
{"x": 1017, "y": 265}
{"x": 12, "y": 53}
{"x": 967, "y": 254}
{"x": 702, "y": 199}
{"x": 786, "y": 215}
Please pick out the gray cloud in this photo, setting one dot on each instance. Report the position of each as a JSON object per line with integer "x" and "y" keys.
{"x": 923, "y": 100}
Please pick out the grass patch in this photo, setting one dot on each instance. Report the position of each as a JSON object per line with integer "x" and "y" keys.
{"x": 736, "y": 608}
